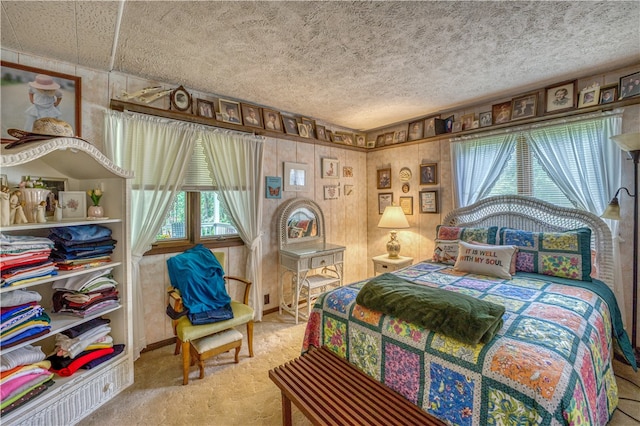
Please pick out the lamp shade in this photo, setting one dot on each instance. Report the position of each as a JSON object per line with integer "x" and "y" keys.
{"x": 628, "y": 141}
{"x": 612, "y": 211}
{"x": 394, "y": 218}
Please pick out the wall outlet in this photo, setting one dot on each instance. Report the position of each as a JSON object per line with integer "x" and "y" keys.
{"x": 266, "y": 299}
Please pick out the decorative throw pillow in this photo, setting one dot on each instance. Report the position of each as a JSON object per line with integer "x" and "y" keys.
{"x": 512, "y": 265}
{"x": 483, "y": 235}
{"x": 446, "y": 252}
{"x": 485, "y": 260}
{"x": 559, "y": 254}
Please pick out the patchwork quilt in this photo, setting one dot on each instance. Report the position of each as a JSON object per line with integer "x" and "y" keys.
{"x": 549, "y": 364}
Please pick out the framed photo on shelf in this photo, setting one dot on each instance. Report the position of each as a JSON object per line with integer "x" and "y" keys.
{"x": 20, "y": 80}
{"x": 331, "y": 192}
{"x": 384, "y": 179}
{"x": 457, "y": 127}
{"x": 589, "y": 96}
{"x": 388, "y": 138}
{"x": 608, "y": 93}
{"x": 485, "y": 119}
{"x": 384, "y": 199}
{"x": 73, "y": 204}
{"x": 272, "y": 120}
{"x": 371, "y": 144}
{"x": 330, "y": 168}
{"x": 467, "y": 121}
{"x": 310, "y": 128}
{"x": 429, "y": 174}
{"x": 361, "y": 140}
{"x": 416, "y": 130}
{"x": 525, "y": 106}
{"x": 380, "y": 140}
{"x": 630, "y": 85}
{"x": 560, "y": 97}
{"x": 428, "y": 201}
{"x": 295, "y": 176}
{"x": 180, "y": 100}
{"x": 407, "y": 205}
{"x": 321, "y": 132}
{"x": 335, "y": 137}
{"x": 273, "y": 187}
{"x": 290, "y": 125}
{"x": 303, "y": 130}
{"x": 205, "y": 108}
{"x": 230, "y": 111}
{"x": 430, "y": 126}
{"x": 252, "y": 116}
{"x": 400, "y": 136}
{"x": 501, "y": 112}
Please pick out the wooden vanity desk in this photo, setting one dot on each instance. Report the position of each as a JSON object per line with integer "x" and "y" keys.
{"x": 308, "y": 264}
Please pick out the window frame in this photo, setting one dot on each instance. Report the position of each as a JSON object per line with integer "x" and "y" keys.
{"x": 192, "y": 232}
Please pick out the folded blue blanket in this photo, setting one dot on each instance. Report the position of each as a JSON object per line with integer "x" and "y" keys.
{"x": 456, "y": 315}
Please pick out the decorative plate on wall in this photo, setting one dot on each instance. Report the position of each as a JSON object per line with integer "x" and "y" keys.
{"x": 405, "y": 174}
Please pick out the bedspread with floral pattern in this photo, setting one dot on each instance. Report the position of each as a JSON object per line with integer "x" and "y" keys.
{"x": 549, "y": 364}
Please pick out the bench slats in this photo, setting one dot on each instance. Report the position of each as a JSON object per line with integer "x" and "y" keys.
{"x": 328, "y": 390}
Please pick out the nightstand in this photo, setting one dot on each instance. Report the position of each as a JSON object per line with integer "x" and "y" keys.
{"x": 384, "y": 263}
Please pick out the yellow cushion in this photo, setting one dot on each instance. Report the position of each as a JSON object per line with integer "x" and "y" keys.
{"x": 186, "y": 332}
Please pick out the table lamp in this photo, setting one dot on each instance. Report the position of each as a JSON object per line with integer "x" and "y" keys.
{"x": 629, "y": 142}
{"x": 394, "y": 218}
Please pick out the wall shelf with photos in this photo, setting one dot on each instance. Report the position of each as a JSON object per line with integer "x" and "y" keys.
{"x": 540, "y": 116}
{"x": 118, "y": 105}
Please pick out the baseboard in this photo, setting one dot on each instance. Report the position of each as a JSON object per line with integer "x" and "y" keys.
{"x": 158, "y": 345}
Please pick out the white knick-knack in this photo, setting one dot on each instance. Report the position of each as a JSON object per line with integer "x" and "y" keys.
{"x": 17, "y": 208}
{"x": 40, "y": 213}
{"x": 5, "y": 207}
{"x": 57, "y": 211}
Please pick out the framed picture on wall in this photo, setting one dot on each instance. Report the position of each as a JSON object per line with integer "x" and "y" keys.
{"x": 272, "y": 120}
{"x": 384, "y": 199}
{"x": 230, "y": 111}
{"x": 331, "y": 192}
{"x": 407, "y": 205}
{"x": 205, "y": 108}
{"x": 18, "y": 81}
{"x": 428, "y": 201}
{"x": 273, "y": 187}
{"x": 295, "y": 176}
{"x": 180, "y": 100}
{"x": 416, "y": 130}
{"x": 501, "y": 112}
{"x": 630, "y": 85}
{"x": 384, "y": 178}
{"x": 330, "y": 168}
{"x": 429, "y": 174}
{"x": 589, "y": 96}
{"x": 485, "y": 119}
{"x": 252, "y": 116}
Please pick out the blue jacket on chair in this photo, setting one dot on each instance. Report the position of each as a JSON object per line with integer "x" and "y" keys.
{"x": 197, "y": 274}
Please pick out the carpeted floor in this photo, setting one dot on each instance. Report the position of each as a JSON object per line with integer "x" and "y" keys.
{"x": 242, "y": 394}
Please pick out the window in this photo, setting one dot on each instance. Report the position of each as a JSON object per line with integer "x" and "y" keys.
{"x": 197, "y": 213}
{"x": 524, "y": 175}
{"x": 214, "y": 221}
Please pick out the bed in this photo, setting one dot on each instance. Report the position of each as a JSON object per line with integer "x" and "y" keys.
{"x": 549, "y": 359}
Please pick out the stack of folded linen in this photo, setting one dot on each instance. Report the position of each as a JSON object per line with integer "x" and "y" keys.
{"x": 82, "y": 246}
{"x": 83, "y": 346}
{"x": 22, "y": 318}
{"x": 24, "y": 376}
{"x": 86, "y": 295}
{"x": 24, "y": 259}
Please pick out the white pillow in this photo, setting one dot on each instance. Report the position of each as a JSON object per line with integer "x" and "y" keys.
{"x": 485, "y": 260}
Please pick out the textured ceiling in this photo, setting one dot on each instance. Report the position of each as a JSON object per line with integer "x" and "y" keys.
{"x": 359, "y": 65}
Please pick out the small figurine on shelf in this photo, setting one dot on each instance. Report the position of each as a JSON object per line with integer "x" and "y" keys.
{"x": 17, "y": 208}
{"x": 40, "y": 214}
{"x": 5, "y": 206}
{"x": 57, "y": 211}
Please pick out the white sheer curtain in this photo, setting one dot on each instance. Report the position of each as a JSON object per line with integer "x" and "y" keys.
{"x": 157, "y": 151}
{"x": 236, "y": 161}
{"x": 477, "y": 164}
{"x": 586, "y": 166}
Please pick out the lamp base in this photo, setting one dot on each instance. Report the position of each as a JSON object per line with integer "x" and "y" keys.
{"x": 393, "y": 246}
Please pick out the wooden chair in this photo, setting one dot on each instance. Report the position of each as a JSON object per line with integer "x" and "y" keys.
{"x": 186, "y": 332}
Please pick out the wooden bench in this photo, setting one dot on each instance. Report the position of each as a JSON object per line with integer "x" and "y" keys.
{"x": 330, "y": 391}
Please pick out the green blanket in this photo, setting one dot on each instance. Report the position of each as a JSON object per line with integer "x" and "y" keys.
{"x": 456, "y": 315}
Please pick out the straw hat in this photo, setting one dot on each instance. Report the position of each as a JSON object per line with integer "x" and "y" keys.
{"x": 44, "y": 82}
{"x": 43, "y": 129}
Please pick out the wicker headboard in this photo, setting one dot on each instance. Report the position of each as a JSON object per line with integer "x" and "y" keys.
{"x": 531, "y": 214}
